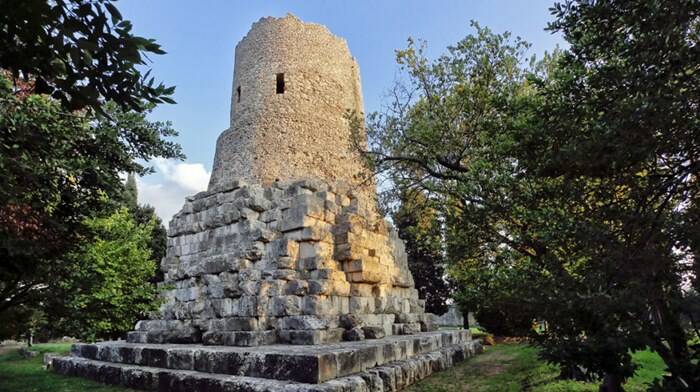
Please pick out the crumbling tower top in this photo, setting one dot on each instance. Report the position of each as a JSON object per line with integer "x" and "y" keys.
{"x": 293, "y": 84}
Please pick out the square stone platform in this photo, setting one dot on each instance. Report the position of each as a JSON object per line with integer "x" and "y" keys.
{"x": 388, "y": 364}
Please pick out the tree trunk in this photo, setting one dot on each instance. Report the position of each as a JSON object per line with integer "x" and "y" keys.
{"x": 611, "y": 383}
{"x": 30, "y": 339}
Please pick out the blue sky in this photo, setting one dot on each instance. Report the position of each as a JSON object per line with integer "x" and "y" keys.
{"x": 200, "y": 37}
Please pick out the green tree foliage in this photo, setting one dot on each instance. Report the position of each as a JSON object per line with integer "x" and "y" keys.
{"x": 107, "y": 287}
{"x": 419, "y": 225}
{"x": 143, "y": 214}
{"x": 23, "y": 323}
{"x": 625, "y": 132}
{"x": 81, "y": 52}
{"x": 130, "y": 195}
{"x": 59, "y": 169}
{"x": 576, "y": 176}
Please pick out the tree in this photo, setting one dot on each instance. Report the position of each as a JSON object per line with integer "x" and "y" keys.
{"x": 131, "y": 192}
{"x": 23, "y": 322}
{"x": 580, "y": 172}
{"x": 73, "y": 101}
{"x": 107, "y": 288}
{"x": 59, "y": 170}
{"x": 419, "y": 226}
{"x": 144, "y": 214}
{"x": 80, "y": 52}
{"x": 623, "y": 116}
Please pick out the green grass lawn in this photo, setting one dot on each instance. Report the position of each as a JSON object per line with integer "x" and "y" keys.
{"x": 18, "y": 374}
{"x": 515, "y": 367}
{"x": 504, "y": 367}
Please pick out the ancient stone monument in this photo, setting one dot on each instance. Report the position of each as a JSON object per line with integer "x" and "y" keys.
{"x": 282, "y": 275}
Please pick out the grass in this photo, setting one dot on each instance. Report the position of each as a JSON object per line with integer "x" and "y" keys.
{"x": 515, "y": 367}
{"x": 504, "y": 367}
{"x": 18, "y": 374}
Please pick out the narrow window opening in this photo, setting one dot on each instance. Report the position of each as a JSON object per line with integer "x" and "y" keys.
{"x": 280, "y": 83}
{"x": 238, "y": 94}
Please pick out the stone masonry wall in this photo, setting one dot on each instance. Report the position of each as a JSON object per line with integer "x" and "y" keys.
{"x": 298, "y": 262}
{"x": 302, "y": 133}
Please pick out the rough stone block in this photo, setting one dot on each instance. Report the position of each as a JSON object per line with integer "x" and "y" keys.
{"x": 350, "y": 321}
{"x": 354, "y": 334}
{"x": 304, "y": 322}
{"x": 373, "y": 332}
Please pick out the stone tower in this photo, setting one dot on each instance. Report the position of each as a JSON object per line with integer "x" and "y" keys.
{"x": 293, "y": 84}
{"x": 286, "y": 247}
{"x": 287, "y": 244}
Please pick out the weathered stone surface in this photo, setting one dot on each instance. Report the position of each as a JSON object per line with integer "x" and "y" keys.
{"x": 354, "y": 334}
{"x": 373, "y": 332}
{"x": 275, "y": 136}
{"x": 349, "y": 321}
{"x": 330, "y": 359}
{"x": 336, "y": 370}
{"x": 250, "y": 274}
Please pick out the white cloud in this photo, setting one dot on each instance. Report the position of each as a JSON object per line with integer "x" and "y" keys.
{"x": 173, "y": 181}
{"x": 192, "y": 176}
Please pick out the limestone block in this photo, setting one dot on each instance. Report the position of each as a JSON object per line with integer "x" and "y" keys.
{"x": 225, "y": 307}
{"x": 315, "y": 249}
{"x": 373, "y": 332}
{"x": 316, "y": 305}
{"x": 314, "y": 230}
{"x": 272, "y": 288}
{"x": 305, "y": 211}
{"x": 366, "y": 277}
{"x": 285, "y": 274}
{"x": 350, "y": 321}
{"x": 410, "y": 328}
{"x": 286, "y": 305}
{"x": 361, "y": 305}
{"x": 339, "y": 287}
{"x": 304, "y": 322}
{"x": 249, "y": 275}
{"x": 250, "y": 287}
{"x": 271, "y": 215}
{"x": 327, "y": 273}
{"x": 251, "y": 306}
{"x": 311, "y": 263}
{"x": 307, "y": 337}
{"x": 200, "y": 308}
{"x": 286, "y": 262}
{"x": 215, "y": 291}
{"x": 361, "y": 289}
{"x": 286, "y": 247}
{"x": 240, "y": 324}
{"x": 347, "y": 252}
{"x": 322, "y": 287}
{"x": 406, "y": 318}
{"x": 296, "y": 287}
{"x": 354, "y": 334}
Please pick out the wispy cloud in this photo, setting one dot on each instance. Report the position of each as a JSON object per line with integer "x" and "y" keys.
{"x": 166, "y": 191}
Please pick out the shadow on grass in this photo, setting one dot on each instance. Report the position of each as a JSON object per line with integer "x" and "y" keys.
{"x": 516, "y": 367}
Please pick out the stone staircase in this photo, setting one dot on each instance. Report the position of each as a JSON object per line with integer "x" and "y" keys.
{"x": 388, "y": 364}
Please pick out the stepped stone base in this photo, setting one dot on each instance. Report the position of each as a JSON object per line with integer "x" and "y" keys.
{"x": 387, "y": 364}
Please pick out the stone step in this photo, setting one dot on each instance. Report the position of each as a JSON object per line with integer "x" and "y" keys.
{"x": 392, "y": 376}
{"x": 307, "y": 364}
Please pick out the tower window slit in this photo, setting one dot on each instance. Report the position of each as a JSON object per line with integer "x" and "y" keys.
{"x": 280, "y": 83}
{"x": 238, "y": 94}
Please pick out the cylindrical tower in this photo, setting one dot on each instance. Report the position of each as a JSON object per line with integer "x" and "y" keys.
{"x": 293, "y": 84}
